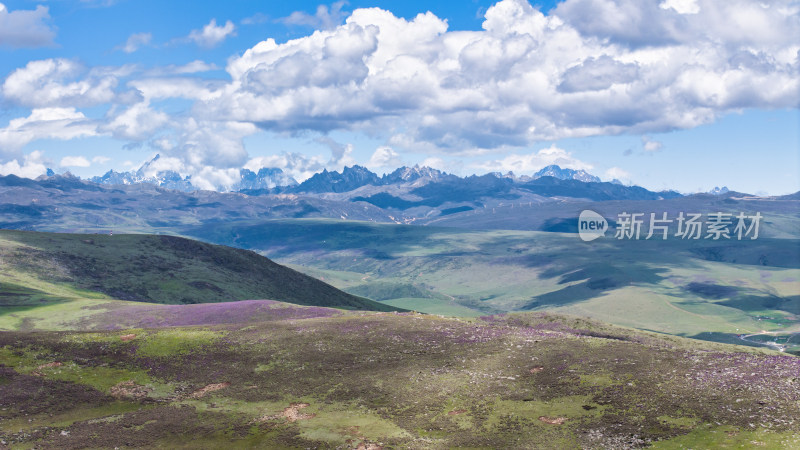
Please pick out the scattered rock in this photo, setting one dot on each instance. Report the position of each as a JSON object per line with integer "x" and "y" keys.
{"x": 553, "y": 420}
{"x": 210, "y": 388}
{"x": 537, "y": 369}
{"x": 368, "y": 446}
{"x": 456, "y": 412}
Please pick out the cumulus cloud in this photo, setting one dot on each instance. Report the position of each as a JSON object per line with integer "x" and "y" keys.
{"x": 384, "y": 158}
{"x": 74, "y": 161}
{"x": 533, "y": 162}
{"x": 586, "y": 68}
{"x": 297, "y": 165}
{"x": 341, "y": 154}
{"x": 59, "y": 82}
{"x": 101, "y": 159}
{"x": 33, "y": 165}
{"x": 324, "y": 18}
{"x": 681, "y": 6}
{"x": 25, "y": 28}
{"x": 135, "y": 42}
{"x": 136, "y": 123}
{"x": 212, "y": 35}
{"x": 193, "y": 146}
{"x": 526, "y": 77}
{"x": 595, "y": 74}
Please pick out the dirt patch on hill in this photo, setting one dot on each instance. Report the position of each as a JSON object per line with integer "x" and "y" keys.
{"x": 210, "y": 388}
{"x": 127, "y": 337}
{"x": 129, "y": 389}
{"x": 553, "y": 420}
{"x": 291, "y": 414}
{"x": 50, "y": 364}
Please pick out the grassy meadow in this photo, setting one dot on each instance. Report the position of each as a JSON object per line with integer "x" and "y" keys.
{"x": 336, "y": 379}
{"x": 713, "y": 290}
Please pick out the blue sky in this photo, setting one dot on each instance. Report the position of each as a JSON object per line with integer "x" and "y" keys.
{"x": 667, "y": 94}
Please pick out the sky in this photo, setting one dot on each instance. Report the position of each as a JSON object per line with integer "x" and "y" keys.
{"x": 666, "y": 94}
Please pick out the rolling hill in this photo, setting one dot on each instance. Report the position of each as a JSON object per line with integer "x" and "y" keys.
{"x": 391, "y": 380}
{"x": 712, "y": 290}
{"x": 147, "y": 268}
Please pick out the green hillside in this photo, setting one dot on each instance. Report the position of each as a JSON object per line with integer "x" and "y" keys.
{"x": 711, "y": 290}
{"x": 390, "y": 380}
{"x": 38, "y": 268}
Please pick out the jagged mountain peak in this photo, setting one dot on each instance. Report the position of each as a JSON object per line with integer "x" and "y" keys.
{"x": 411, "y": 174}
{"x": 556, "y": 171}
{"x": 265, "y": 178}
{"x": 333, "y": 181}
{"x": 719, "y": 190}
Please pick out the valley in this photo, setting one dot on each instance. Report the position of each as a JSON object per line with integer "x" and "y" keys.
{"x": 325, "y": 321}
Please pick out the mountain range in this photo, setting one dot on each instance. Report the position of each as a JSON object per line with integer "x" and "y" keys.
{"x": 265, "y": 178}
{"x": 270, "y": 180}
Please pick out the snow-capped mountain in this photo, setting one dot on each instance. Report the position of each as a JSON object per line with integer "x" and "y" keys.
{"x": 411, "y": 174}
{"x": 566, "y": 174}
{"x": 719, "y": 190}
{"x": 333, "y": 181}
{"x": 265, "y": 178}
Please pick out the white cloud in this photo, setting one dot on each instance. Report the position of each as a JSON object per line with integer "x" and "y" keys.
{"x": 616, "y": 173}
{"x": 384, "y": 158}
{"x": 587, "y": 68}
{"x": 47, "y": 83}
{"x": 136, "y": 41}
{"x": 591, "y": 67}
{"x": 341, "y": 154}
{"x": 650, "y": 145}
{"x": 199, "y": 144}
{"x": 33, "y": 165}
{"x": 75, "y": 161}
{"x": 212, "y": 178}
{"x": 256, "y": 19}
{"x": 45, "y": 123}
{"x": 681, "y": 6}
{"x": 195, "y": 66}
{"x": 212, "y": 35}
{"x": 177, "y": 87}
{"x": 162, "y": 164}
{"x": 137, "y": 123}
{"x": 101, "y": 159}
{"x": 25, "y": 28}
{"x": 522, "y": 164}
{"x": 325, "y": 18}
{"x": 434, "y": 163}
{"x": 298, "y": 166}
